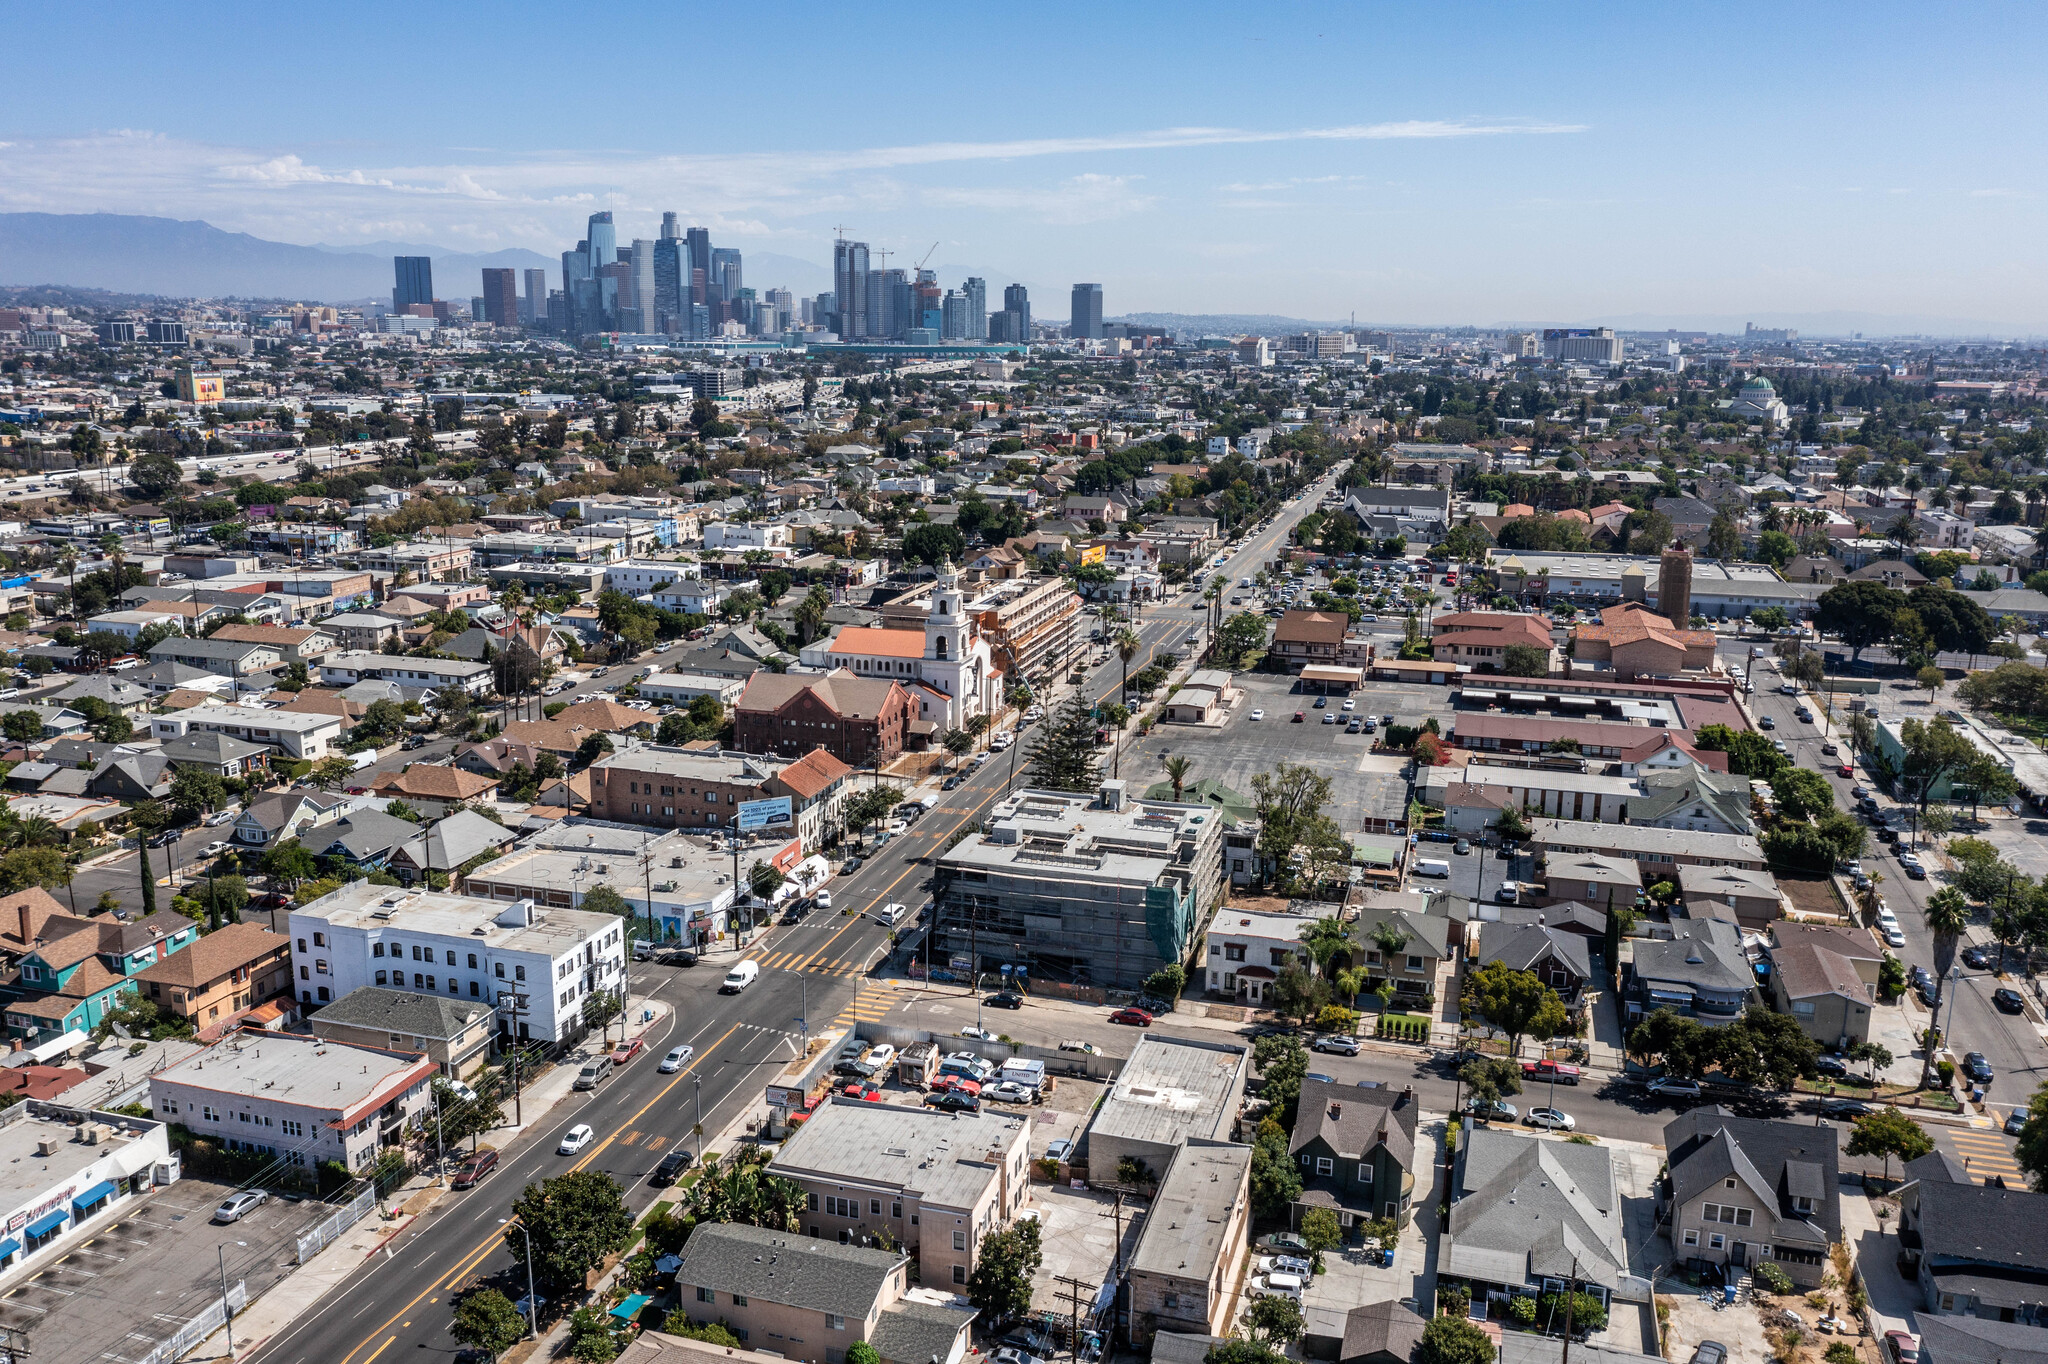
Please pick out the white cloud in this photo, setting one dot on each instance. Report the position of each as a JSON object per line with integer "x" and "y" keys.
{"x": 309, "y": 194}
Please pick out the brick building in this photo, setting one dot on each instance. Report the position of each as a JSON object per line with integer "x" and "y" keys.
{"x": 862, "y": 721}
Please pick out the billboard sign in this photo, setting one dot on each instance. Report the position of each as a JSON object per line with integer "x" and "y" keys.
{"x": 1094, "y": 554}
{"x": 785, "y": 1097}
{"x": 266, "y": 511}
{"x": 960, "y": 964}
{"x": 773, "y": 813}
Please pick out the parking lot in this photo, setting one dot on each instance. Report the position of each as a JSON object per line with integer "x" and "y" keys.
{"x": 118, "y": 1292}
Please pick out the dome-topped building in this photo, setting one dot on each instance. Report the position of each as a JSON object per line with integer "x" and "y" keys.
{"x": 1757, "y": 400}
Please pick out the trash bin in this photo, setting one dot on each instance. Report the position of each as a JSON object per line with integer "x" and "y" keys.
{"x": 1728, "y": 1293}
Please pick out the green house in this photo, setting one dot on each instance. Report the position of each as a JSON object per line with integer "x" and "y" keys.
{"x": 73, "y": 972}
{"x": 1355, "y": 1150}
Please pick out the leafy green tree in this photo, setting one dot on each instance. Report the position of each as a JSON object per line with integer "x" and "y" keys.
{"x": 194, "y": 790}
{"x": 1242, "y": 1352}
{"x": 1525, "y": 660}
{"x": 486, "y": 1320}
{"x": 1859, "y": 613}
{"x": 592, "y": 748}
{"x": 1320, "y": 1228}
{"x": 1516, "y": 1002}
{"x": 290, "y": 862}
{"x": 860, "y": 1352}
{"x": 1240, "y": 638}
{"x": 1064, "y": 756}
{"x": 1948, "y": 915}
{"x": 22, "y": 726}
{"x": 1000, "y": 1285}
{"x": 1454, "y": 1340}
{"x": 1750, "y": 754}
{"x": 460, "y": 1119}
{"x": 591, "y": 1338}
{"x": 1274, "y": 1321}
{"x": 1802, "y": 794}
{"x": 1298, "y": 992}
{"x": 25, "y": 867}
{"x": 1489, "y": 1079}
{"x": 1765, "y": 1048}
{"x": 1275, "y": 1182}
{"x": 928, "y": 542}
{"x": 2030, "y": 1153}
{"x": 1889, "y": 1132}
{"x": 575, "y": 1220}
{"x": 1683, "y": 1045}
{"x": 1282, "y": 1062}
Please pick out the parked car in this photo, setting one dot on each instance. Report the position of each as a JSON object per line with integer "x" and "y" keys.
{"x": 240, "y": 1204}
{"x": 1278, "y": 1286}
{"x": 672, "y": 1166}
{"x": 1136, "y": 1018}
{"x": 1010, "y": 1092}
{"x": 1847, "y": 1109}
{"x": 2008, "y": 1000}
{"x": 627, "y": 1050}
{"x": 475, "y": 1167}
{"x": 1284, "y": 1264}
{"x": 213, "y": 849}
{"x": 2015, "y": 1122}
{"x": 1258, "y": 715}
{"x": 1462, "y": 846}
{"x": 953, "y": 1101}
{"x": 1300, "y": 716}
{"x": 575, "y": 1139}
{"x": 1980, "y": 956}
{"x": 1283, "y": 1242}
{"x": 1901, "y": 1347}
{"x": 1831, "y": 1065}
{"x": 1005, "y": 999}
{"x": 1058, "y": 1151}
{"x": 1556, "y": 1119}
{"x": 1499, "y": 1110}
{"x": 1674, "y": 1087}
{"x": 1976, "y": 1067}
{"x": 1710, "y": 1352}
{"x": 1338, "y": 1043}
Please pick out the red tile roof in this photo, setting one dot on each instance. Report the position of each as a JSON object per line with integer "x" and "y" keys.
{"x": 873, "y": 643}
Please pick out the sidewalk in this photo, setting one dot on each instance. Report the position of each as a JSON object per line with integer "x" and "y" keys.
{"x": 263, "y": 1319}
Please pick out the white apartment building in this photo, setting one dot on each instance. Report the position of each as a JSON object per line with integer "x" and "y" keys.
{"x": 295, "y": 1099}
{"x": 731, "y": 537}
{"x": 700, "y": 596}
{"x": 295, "y": 733}
{"x": 431, "y": 674}
{"x": 534, "y": 962}
{"x": 638, "y": 577}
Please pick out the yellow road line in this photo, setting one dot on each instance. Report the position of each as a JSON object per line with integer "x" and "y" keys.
{"x": 492, "y": 1239}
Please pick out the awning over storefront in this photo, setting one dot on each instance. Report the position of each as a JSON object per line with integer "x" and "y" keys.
{"x": 93, "y": 1197}
{"x": 1474, "y": 694}
{"x": 1525, "y": 698}
{"x": 48, "y": 1223}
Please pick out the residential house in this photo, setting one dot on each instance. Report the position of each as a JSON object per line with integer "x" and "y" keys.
{"x": 809, "y": 1300}
{"x": 1694, "y": 800}
{"x": 1593, "y": 878}
{"x": 1380, "y": 1333}
{"x": 1193, "y": 1248}
{"x": 1974, "y": 1249}
{"x": 1701, "y": 973}
{"x": 294, "y": 644}
{"x": 1356, "y": 1152}
{"x": 1559, "y": 957}
{"x": 1304, "y": 638}
{"x": 364, "y": 838}
{"x": 937, "y": 1184}
{"x": 1414, "y": 966}
{"x": 1743, "y": 1191}
{"x": 225, "y": 657}
{"x": 221, "y": 977}
{"x": 1247, "y": 949}
{"x": 1662, "y": 851}
{"x": 272, "y": 818}
{"x": 454, "y": 1034}
{"x": 1748, "y": 898}
{"x": 1527, "y": 1213}
{"x": 73, "y": 975}
{"x": 431, "y": 789}
{"x": 111, "y": 690}
{"x": 136, "y": 777}
{"x": 221, "y": 754}
{"x": 1826, "y": 980}
{"x": 447, "y": 845}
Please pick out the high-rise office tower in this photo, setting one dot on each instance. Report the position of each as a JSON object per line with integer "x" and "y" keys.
{"x": 501, "y": 298}
{"x": 888, "y": 310}
{"x": 976, "y": 293}
{"x": 533, "y": 309}
{"x": 604, "y": 240}
{"x": 577, "y": 293}
{"x": 671, "y": 284}
{"x": 1017, "y": 299}
{"x": 725, "y": 274}
{"x": 671, "y": 227}
{"x": 927, "y": 302}
{"x": 825, "y": 311}
{"x": 850, "y": 287}
{"x": 700, "y": 259}
{"x": 614, "y": 285}
{"x": 953, "y": 316}
{"x": 1086, "y": 323}
{"x": 783, "y": 304}
{"x": 413, "y": 281}
{"x": 643, "y": 286}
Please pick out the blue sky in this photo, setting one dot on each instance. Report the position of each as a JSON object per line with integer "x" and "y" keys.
{"x": 1440, "y": 163}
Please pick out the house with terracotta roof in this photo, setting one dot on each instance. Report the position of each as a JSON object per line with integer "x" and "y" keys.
{"x": 861, "y": 721}
{"x": 948, "y": 667}
{"x": 432, "y": 789}
{"x": 37, "y": 1082}
{"x": 1480, "y": 640}
{"x": 1635, "y": 748}
{"x": 221, "y": 977}
{"x": 1635, "y": 641}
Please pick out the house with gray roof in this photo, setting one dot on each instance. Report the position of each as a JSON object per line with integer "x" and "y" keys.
{"x": 446, "y": 845}
{"x": 1740, "y": 1191}
{"x": 366, "y": 838}
{"x": 455, "y": 1034}
{"x": 138, "y": 776}
{"x": 1976, "y": 1250}
{"x": 1425, "y": 947}
{"x": 1701, "y": 973}
{"x": 808, "y": 1298}
{"x": 1355, "y": 1149}
{"x": 167, "y": 676}
{"x": 221, "y": 754}
{"x": 109, "y": 689}
{"x": 274, "y": 817}
{"x": 224, "y": 657}
{"x": 1695, "y": 800}
{"x": 1975, "y": 1340}
{"x": 1529, "y": 1212}
{"x": 1560, "y": 958}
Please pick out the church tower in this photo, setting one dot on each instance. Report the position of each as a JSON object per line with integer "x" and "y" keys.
{"x": 945, "y": 629}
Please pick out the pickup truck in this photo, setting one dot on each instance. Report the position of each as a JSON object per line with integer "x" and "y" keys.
{"x": 1546, "y": 1071}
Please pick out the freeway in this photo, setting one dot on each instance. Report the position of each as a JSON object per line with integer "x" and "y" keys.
{"x": 274, "y": 466}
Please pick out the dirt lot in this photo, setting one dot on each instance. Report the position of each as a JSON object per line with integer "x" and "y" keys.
{"x": 1812, "y": 894}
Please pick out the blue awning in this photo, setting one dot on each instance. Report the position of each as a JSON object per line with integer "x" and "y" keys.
{"x": 49, "y": 1222}
{"x": 97, "y": 1194}
{"x": 8, "y": 1247}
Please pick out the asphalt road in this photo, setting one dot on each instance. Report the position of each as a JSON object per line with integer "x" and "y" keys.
{"x": 2018, "y": 1057}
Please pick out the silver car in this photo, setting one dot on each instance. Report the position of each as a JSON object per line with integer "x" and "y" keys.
{"x": 240, "y": 1204}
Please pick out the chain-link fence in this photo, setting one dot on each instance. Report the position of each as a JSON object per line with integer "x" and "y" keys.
{"x": 319, "y": 1238}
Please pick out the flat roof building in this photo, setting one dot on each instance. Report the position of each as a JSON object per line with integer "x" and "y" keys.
{"x": 62, "y": 1166}
{"x": 1171, "y": 1091}
{"x": 1192, "y": 1251}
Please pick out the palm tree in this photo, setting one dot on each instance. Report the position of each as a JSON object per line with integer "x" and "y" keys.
{"x": 1948, "y": 914}
{"x": 1127, "y": 646}
{"x": 1177, "y": 768}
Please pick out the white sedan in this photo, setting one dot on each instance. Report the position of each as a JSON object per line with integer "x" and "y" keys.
{"x": 1554, "y": 1118}
{"x": 575, "y": 1139}
{"x": 677, "y": 1058}
{"x": 1258, "y": 715}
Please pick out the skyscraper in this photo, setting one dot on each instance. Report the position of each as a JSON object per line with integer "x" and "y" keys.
{"x": 927, "y": 302}
{"x": 577, "y": 293}
{"x": 642, "y": 304}
{"x": 888, "y": 311}
{"x": 1017, "y": 299}
{"x": 413, "y": 281}
{"x": 671, "y": 284}
{"x": 501, "y": 297}
{"x": 604, "y": 241}
{"x": 1086, "y": 323}
{"x": 533, "y": 309}
{"x": 725, "y": 274}
{"x": 671, "y": 227}
{"x": 700, "y": 258}
{"x": 953, "y": 316}
{"x": 850, "y": 287}
{"x": 976, "y": 293}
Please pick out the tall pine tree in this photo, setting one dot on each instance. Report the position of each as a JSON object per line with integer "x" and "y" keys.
{"x": 1064, "y": 758}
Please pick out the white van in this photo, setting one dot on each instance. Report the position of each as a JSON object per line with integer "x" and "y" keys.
{"x": 1433, "y": 866}
{"x": 739, "y": 978}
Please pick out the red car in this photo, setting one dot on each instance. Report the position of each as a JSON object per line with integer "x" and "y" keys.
{"x": 948, "y": 1083}
{"x": 1137, "y": 1018}
{"x": 1299, "y": 717}
{"x": 1846, "y": 770}
{"x": 626, "y": 1051}
{"x": 861, "y": 1091}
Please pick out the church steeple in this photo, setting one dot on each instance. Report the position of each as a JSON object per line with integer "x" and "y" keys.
{"x": 945, "y": 630}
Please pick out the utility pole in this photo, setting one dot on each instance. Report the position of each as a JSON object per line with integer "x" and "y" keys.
{"x": 1071, "y": 1292}
{"x": 517, "y": 1011}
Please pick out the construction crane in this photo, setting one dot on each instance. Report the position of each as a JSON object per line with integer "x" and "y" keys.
{"x": 928, "y": 255}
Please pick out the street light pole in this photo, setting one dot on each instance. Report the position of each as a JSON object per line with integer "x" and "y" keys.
{"x": 227, "y": 1313}
{"x": 526, "y": 1237}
